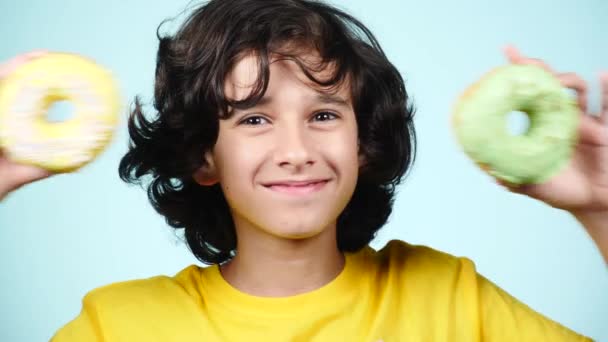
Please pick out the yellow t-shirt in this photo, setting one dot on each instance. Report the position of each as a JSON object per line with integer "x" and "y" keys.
{"x": 399, "y": 293}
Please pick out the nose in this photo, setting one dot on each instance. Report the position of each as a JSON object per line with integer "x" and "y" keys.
{"x": 293, "y": 148}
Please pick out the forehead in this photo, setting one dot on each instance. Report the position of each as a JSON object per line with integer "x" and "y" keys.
{"x": 241, "y": 79}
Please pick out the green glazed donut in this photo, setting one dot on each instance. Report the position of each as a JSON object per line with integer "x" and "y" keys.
{"x": 480, "y": 124}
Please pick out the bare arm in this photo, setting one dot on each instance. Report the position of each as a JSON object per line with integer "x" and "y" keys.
{"x": 596, "y": 224}
{"x": 581, "y": 187}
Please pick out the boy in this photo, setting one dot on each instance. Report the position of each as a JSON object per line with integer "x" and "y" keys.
{"x": 280, "y": 136}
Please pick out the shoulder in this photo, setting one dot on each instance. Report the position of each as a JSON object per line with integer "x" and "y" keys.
{"x": 152, "y": 295}
{"x": 133, "y": 310}
{"x": 136, "y": 289}
{"x": 400, "y": 256}
{"x": 449, "y": 289}
{"x": 441, "y": 289}
{"x": 417, "y": 272}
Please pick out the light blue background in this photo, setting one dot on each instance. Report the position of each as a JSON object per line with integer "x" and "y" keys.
{"x": 62, "y": 237}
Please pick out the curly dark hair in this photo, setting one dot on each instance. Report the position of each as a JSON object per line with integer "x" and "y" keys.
{"x": 191, "y": 67}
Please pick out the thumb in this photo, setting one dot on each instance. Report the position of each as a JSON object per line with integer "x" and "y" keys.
{"x": 522, "y": 189}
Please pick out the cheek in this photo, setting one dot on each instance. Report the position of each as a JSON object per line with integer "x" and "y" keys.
{"x": 236, "y": 161}
{"x": 343, "y": 151}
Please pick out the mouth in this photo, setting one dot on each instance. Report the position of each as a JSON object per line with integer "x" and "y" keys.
{"x": 297, "y": 187}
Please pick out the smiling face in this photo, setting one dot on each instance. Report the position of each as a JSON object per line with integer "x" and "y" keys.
{"x": 289, "y": 165}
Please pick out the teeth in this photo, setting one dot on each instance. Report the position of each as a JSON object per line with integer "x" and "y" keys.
{"x": 298, "y": 185}
{"x": 303, "y": 185}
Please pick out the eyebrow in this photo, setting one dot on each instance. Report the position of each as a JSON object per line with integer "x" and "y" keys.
{"x": 332, "y": 99}
{"x": 324, "y": 98}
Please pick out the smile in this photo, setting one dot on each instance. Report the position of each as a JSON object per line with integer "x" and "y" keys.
{"x": 297, "y": 187}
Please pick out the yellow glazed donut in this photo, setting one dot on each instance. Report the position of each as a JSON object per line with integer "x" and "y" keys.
{"x": 26, "y": 95}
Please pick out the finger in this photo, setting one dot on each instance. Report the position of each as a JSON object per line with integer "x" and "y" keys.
{"x": 512, "y": 54}
{"x": 13, "y": 63}
{"x": 26, "y": 173}
{"x": 591, "y": 131}
{"x": 515, "y": 57}
{"x": 516, "y": 188}
{"x": 575, "y": 82}
{"x": 604, "y": 97}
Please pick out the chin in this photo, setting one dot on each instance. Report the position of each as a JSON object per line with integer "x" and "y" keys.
{"x": 298, "y": 235}
{"x": 300, "y": 231}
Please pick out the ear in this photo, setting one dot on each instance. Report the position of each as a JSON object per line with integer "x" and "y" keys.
{"x": 362, "y": 160}
{"x": 206, "y": 175}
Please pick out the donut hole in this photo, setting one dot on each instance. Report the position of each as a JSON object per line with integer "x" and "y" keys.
{"x": 571, "y": 93}
{"x": 518, "y": 123}
{"x": 59, "y": 111}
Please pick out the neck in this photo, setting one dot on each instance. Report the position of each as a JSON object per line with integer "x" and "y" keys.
{"x": 270, "y": 266}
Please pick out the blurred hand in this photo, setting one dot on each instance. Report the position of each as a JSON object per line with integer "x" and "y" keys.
{"x": 14, "y": 175}
{"x": 582, "y": 185}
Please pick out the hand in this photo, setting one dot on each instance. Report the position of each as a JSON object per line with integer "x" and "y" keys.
{"x": 14, "y": 175}
{"x": 582, "y": 185}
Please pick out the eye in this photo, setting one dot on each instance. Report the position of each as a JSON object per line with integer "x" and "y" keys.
{"x": 253, "y": 121}
{"x": 325, "y": 116}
